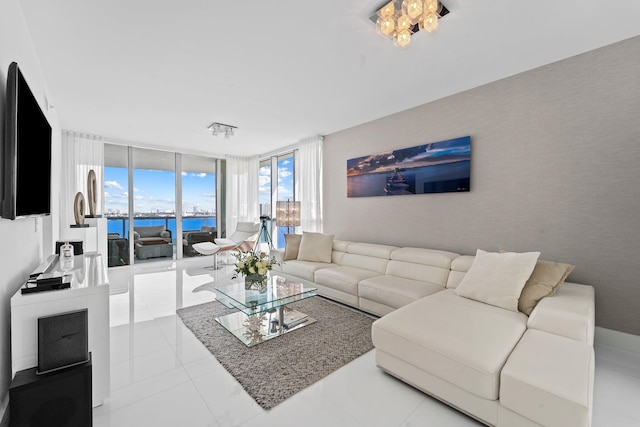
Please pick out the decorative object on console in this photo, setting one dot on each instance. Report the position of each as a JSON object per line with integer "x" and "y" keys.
{"x": 78, "y": 209}
{"x": 399, "y": 19}
{"x": 439, "y": 167}
{"x": 288, "y": 214}
{"x": 77, "y": 246}
{"x": 92, "y": 193}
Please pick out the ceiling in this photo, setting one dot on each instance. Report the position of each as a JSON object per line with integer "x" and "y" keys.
{"x": 158, "y": 72}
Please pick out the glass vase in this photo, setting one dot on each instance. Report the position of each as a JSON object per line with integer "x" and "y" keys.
{"x": 255, "y": 282}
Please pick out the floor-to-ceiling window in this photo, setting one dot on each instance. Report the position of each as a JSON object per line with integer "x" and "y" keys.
{"x": 154, "y": 204}
{"x": 276, "y": 177}
{"x": 116, "y": 203}
{"x": 141, "y": 186}
{"x": 198, "y": 202}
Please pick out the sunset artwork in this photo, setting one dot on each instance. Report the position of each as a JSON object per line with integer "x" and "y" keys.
{"x": 438, "y": 167}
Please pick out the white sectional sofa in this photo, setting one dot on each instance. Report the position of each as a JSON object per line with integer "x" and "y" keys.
{"x": 499, "y": 366}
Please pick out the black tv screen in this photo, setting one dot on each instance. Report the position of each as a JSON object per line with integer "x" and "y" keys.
{"x": 27, "y": 152}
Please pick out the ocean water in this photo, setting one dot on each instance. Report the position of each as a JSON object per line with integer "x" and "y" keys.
{"x": 448, "y": 177}
{"x": 121, "y": 226}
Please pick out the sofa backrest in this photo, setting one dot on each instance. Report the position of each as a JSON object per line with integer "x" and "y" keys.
{"x": 459, "y": 268}
{"x": 368, "y": 256}
{"x": 426, "y": 265}
{"x": 339, "y": 249}
{"x": 150, "y": 231}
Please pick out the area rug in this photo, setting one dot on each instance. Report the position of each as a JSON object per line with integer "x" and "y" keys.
{"x": 275, "y": 370}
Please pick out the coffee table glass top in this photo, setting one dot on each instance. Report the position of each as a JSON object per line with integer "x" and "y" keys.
{"x": 278, "y": 292}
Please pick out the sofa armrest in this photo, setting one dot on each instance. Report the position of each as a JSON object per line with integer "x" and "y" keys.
{"x": 278, "y": 254}
{"x": 570, "y": 313}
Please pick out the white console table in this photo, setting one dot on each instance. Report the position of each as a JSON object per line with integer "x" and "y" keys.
{"x": 89, "y": 289}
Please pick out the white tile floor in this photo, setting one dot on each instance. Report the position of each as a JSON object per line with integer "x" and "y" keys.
{"x": 161, "y": 375}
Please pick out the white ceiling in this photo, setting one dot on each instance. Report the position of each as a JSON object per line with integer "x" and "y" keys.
{"x": 158, "y": 72}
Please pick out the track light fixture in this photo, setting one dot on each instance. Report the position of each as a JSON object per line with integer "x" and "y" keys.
{"x": 218, "y": 128}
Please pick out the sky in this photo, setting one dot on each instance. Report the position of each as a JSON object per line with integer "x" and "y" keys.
{"x": 285, "y": 181}
{"x": 154, "y": 190}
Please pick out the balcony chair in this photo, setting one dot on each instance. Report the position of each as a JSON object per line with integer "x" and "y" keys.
{"x": 242, "y": 239}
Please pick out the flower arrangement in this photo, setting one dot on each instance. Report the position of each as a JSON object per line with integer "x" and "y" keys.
{"x": 249, "y": 263}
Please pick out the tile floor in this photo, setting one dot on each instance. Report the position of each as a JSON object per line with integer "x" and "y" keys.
{"x": 161, "y": 375}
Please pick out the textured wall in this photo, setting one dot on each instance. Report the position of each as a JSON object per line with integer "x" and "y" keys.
{"x": 555, "y": 168}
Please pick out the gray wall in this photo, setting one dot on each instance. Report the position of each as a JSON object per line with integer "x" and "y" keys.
{"x": 555, "y": 168}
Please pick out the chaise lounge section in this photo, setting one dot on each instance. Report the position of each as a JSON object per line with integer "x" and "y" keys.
{"x": 500, "y": 366}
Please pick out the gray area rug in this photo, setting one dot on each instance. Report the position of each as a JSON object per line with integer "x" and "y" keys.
{"x": 275, "y": 370}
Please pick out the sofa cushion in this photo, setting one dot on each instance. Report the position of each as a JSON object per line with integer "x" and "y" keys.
{"x": 150, "y": 231}
{"x": 549, "y": 379}
{"x": 459, "y": 340}
{"x": 343, "y": 278}
{"x": 291, "y": 246}
{"x": 498, "y": 278}
{"x": 315, "y": 247}
{"x": 544, "y": 282}
{"x": 395, "y": 291}
{"x": 303, "y": 269}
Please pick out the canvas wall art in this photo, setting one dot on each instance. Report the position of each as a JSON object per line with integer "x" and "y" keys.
{"x": 439, "y": 167}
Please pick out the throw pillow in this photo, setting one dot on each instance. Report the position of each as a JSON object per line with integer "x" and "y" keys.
{"x": 291, "y": 246}
{"x": 498, "y": 278}
{"x": 315, "y": 247}
{"x": 545, "y": 280}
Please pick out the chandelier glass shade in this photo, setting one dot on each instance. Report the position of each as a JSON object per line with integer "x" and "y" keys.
{"x": 400, "y": 19}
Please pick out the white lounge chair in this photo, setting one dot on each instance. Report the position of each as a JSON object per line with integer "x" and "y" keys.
{"x": 242, "y": 239}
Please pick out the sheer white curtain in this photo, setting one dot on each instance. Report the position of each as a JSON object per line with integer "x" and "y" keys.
{"x": 242, "y": 190}
{"x": 308, "y": 163}
{"x": 80, "y": 154}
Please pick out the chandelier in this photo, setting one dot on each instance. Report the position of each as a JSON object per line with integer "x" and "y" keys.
{"x": 400, "y": 19}
{"x": 220, "y": 128}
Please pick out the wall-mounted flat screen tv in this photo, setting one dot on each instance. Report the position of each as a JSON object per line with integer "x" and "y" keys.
{"x": 27, "y": 152}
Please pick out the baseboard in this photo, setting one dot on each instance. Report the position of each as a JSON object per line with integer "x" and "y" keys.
{"x": 617, "y": 339}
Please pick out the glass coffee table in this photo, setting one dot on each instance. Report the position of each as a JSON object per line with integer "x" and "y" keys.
{"x": 263, "y": 314}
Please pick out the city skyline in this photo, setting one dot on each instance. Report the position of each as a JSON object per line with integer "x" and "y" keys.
{"x": 154, "y": 191}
